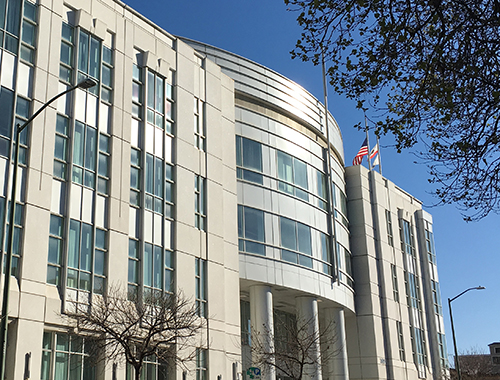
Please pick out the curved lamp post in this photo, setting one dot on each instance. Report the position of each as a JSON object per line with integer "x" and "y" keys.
{"x": 457, "y": 364}
{"x": 86, "y": 83}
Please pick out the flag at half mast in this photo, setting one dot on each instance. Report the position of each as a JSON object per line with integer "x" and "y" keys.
{"x": 363, "y": 151}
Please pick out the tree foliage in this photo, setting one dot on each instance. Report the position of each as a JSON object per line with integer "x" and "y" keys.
{"x": 430, "y": 71}
{"x": 160, "y": 325}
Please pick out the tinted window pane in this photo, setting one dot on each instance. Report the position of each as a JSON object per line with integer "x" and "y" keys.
{"x": 254, "y": 224}
{"x": 6, "y": 108}
{"x": 252, "y": 155}
{"x": 288, "y": 234}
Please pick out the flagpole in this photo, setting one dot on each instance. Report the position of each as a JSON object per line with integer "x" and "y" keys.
{"x": 331, "y": 208}
{"x": 379, "y": 157}
{"x": 368, "y": 146}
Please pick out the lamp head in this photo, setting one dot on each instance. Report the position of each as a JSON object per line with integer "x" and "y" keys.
{"x": 480, "y": 287}
{"x": 87, "y": 83}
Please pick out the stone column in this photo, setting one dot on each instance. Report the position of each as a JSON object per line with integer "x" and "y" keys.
{"x": 308, "y": 327}
{"x": 336, "y": 355}
{"x": 261, "y": 316}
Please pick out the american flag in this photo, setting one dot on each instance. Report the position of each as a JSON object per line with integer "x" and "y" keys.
{"x": 363, "y": 151}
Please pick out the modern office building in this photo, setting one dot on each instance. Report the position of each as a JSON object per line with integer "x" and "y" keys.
{"x": 188, "y": 168}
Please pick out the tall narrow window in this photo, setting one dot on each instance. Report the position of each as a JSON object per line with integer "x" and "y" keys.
{"x": 200, "y": 217}
{"x": 321, "y": 189}
{"x": 436, "y": 298}
{"x": 429, "y": 244}
{"x": 399, "y": 327}
{"x": 18, "y": 238}
{"x": 200, "y": 287}
{"x": 395, "y": 287}
{"x": 56, "y": 252}
{"x": 201, "y": 364}
{"x": 407, "y": 243}
{"x": 104, "y": 164}
{"x": 199, "y": 124}
{"x": 61, "y": 147}
{"x": 133, "y": 269}
{"x": 249, "y": 160}
{"x": 388, "y": 223}
{"x": 325, "y": 254}
{"x": 84, "y": 154}
{"x": 154, "y": 183}
{"x": 135, "y": 177}
{"x": 251, "y": 230}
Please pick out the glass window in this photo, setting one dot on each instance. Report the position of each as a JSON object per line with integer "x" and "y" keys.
{"x": 297, "y": 237}
{"x": 201, "y": 364}
{"x": 87, "y": 258}
{"x": 55, "y": 254}
{"x": 200, "y": 287}
{"x": 293, "y": 175}
{"x": 199, "y": 124}
{"x": 388, "y": 221}
{"x": 200, "y": 208}
{"x": 249, "y": 157}
{"x": 66, "y": 357}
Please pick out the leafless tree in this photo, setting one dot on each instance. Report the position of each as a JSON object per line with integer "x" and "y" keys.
{"x": 292, "y": 349}
{"x": 476, "y": 364}
{"x": 161, "y": 325}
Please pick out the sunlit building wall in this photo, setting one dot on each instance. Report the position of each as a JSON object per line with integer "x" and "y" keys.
{"x": 189, "y": 168}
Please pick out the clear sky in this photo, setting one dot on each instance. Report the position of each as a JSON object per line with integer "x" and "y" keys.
{"x": 265, "y": 32}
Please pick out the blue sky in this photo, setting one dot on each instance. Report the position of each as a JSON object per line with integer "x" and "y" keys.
{"x": 265, "y": 32}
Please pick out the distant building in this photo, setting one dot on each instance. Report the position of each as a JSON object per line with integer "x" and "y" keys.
{"x": 191, "y": 168}
{"x": 480, "y": 366}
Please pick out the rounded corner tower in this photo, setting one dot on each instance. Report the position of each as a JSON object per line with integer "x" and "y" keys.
{"x": 295, "y": 261}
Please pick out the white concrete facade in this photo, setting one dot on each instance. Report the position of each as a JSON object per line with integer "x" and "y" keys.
{"x": 119, "y": 190}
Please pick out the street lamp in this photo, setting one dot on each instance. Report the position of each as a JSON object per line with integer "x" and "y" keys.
{"x": 85, "y": 84}
{"x": 457, "y": 364}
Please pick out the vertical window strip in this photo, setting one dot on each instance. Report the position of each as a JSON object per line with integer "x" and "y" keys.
{"x": 155, "y": 100}
{"x": 395, "y": 286}
{"x": 429, "y": 244}
{"x": 436, "y": 298}
{"x": 133, "y": 269}
{"x": 200, "y": 287}
{"x": 200, "y": 202}
{"x": 29, "y": 32}
{"x": 169, "y": 104}
{"x": 135, "y": 177}
{"x": 18, "y": 238}
{"x": 137, "y": 92}
{"x": 154, "y": 184}
{"x": 56, "y": 250}
{"x": 399, "y": 327}
{"x": 169, "y": 191}
{"x": 104, "y": 164}
{"x": 388, "y": 221}
{"x": 87, "y": 257}
{"x": 199, "y": 124}
{"x": 84, "y": 154}
{"x": 201, "y": 364}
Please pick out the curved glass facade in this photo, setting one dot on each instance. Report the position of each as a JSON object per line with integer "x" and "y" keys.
{"x": 283, "y": 206}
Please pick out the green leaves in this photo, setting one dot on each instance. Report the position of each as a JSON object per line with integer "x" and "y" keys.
{"x": 436, "y": 66}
